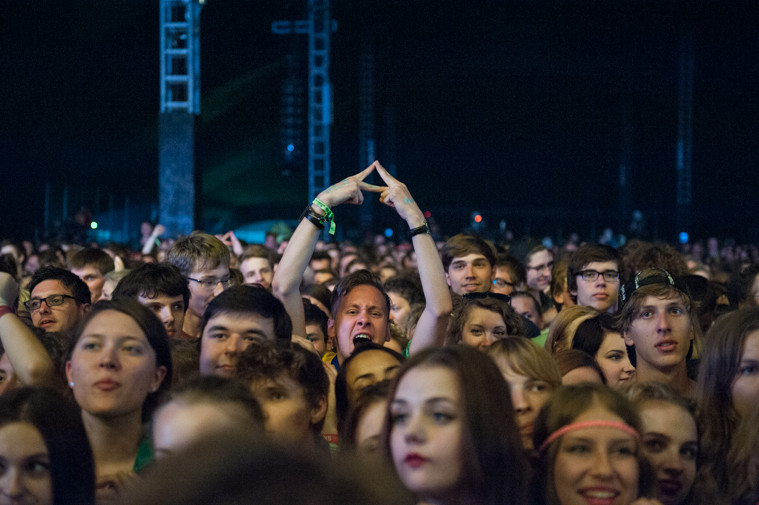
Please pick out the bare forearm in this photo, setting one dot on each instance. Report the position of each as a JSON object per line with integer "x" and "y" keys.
{"x": 433, "y": 323}
{"x": 26, "y": 353}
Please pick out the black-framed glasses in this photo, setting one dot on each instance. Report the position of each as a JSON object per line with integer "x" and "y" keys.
{"x": 477, "y": 295}
{"x": 592, "y": 275}
{"x": 51, "y": 301}
{"x": 209, "y": 284}
{"x": 501, "y": 283}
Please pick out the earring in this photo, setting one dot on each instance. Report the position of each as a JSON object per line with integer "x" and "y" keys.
{"x": 71, "y": 384}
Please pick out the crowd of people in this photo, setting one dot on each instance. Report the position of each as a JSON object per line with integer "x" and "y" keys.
{"x": 200, "y": 369}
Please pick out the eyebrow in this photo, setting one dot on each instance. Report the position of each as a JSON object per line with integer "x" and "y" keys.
{"x": 371, "y": 374}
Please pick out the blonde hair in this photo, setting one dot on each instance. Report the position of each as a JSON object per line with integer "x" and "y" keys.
{"x": 558, "y": 338}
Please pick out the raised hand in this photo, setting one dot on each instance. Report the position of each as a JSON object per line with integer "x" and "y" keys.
{"x": 350, "y": 189}
{"x": 397, "y": 196}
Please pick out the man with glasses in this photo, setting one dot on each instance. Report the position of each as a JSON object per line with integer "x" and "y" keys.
{"x": 593, "y": 276}
{"x": 509, "y": 275}
{"x": 58, "y": 299}
{"x": 203, "y": 260}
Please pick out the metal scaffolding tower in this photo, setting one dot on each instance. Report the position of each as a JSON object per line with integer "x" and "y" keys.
{"x": 318, "y": 27}
{"x": 180, "y": 55}
{"x": 180, "y": 103}
{"x": 685, "y": 131}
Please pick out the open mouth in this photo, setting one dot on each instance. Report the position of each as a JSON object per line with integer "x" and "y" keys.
{"x": 361, "y": 339}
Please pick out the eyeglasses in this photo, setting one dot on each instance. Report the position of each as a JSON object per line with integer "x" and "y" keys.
{"x": 502, "y": 283}
{"x": 209, "y": 284}
{"x": 52, "y": 301}
{"x": 548, "y": 265}
{"x": 592, "y": 275}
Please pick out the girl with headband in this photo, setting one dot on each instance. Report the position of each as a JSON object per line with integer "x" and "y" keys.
{"x": 589, "y": 449}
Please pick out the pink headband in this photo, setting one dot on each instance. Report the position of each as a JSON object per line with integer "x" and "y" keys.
{"x": 589, "y": 424}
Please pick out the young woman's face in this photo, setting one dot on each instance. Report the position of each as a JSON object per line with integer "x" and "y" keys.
{"x": 482, "y": 327}
{"x": 596, "y": 465}
{"x": 745, "y": 387}
{"x": 113, "y": 367}
{"x": 426, "y": 418}
{"x": 528, "y": 395}
{"x": 670, "y": 442}
{"x": 24, "y": 466}
{"x": 613, "y": 360}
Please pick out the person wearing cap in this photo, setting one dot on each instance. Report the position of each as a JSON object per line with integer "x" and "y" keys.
{"x": 660, "y": 327}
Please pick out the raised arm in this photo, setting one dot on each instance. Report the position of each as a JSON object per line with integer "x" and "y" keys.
{"x": 433, "y": 323}
{"x": 26, "y": 353}
{"x": 289, "y": 274}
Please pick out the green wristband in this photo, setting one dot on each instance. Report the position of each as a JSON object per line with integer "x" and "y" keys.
{"x": 328, "y": 214}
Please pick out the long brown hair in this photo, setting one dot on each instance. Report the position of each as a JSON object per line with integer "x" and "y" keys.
{"x": 719, "y": 367}
{"x": 495, "y": 470}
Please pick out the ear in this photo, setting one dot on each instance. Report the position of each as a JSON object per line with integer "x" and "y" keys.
{"x": 492, "y": 274}
{"x": 86, "y": 307}
{"x": 559, "y": 298}
{"x": 319, "y": 410}
{"x": 331, "y": 331}
{"x": 447, "y": 279}
{"x": 160, "y": 374}
{"x": 628, "y": 339}
{"x": 387, "y": 331}
{"x": 69, "y": 375}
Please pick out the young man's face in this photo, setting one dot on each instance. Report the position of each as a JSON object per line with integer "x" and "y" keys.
{"x": 600, "y": 293}
{"x": 661, "y": 332}
{"x": 362, "y": 315}
{"x": 93, "y": 278}
{"x": 503, "y": 282}
{"x": 287, "y": 414}
{"x": 538, "y": 269}
{"x": 226, "y": 335}
{"x": 470, "y": 273}
{"x": 59, "y": 318}
{"x": 316, "y": 336}
{"x": 257, "y": 271}
{"x": 399, "y": 309}
{"x": 525, "y": 307}
{"x": 169, "y": 309}
{"x": 202, "y": 294}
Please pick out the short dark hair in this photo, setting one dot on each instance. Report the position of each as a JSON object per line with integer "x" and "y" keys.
{"x": 589, "y": 253}
{"x": 265, "y": 360}
{"x": 354, "y": 280}
{"x": 462, "y": 245}
{"x": 252, "y": 300}
{"x": 315, "y": 315}
{"x": 91, "y": 256}
{"x": 151, "y": 280}
{"x": 70, "y": 281}
{"x": 514, "y": 266}
{"x": 406, "y": 286}
{"x": 72, "y": 467}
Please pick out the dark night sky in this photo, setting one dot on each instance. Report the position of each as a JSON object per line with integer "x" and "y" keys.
{"x": 512, "y": 108}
